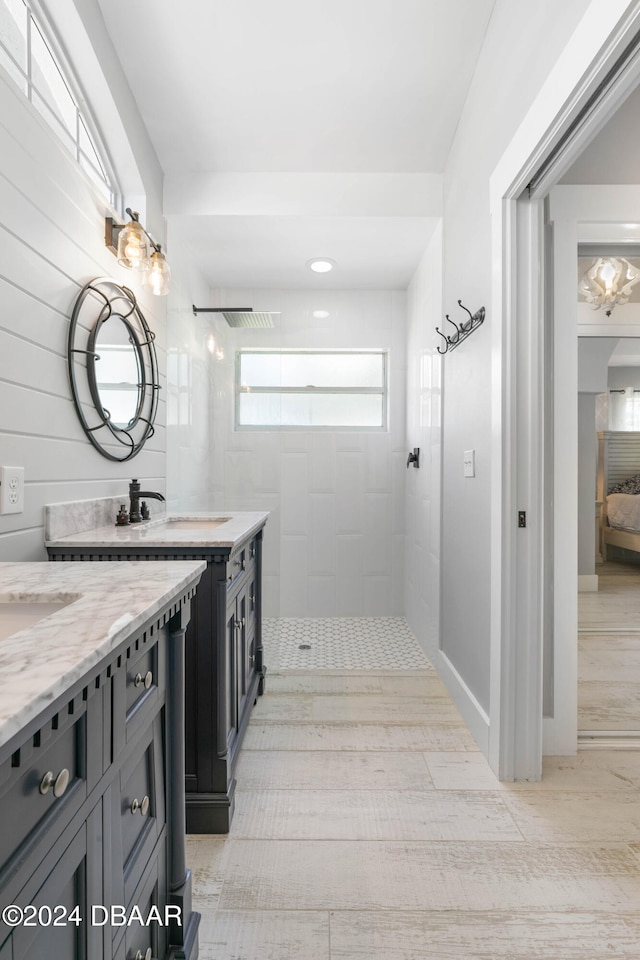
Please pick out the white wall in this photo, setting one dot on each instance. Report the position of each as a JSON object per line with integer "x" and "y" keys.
{"x": 619, "y": 378}
{"x": 190, "y": 364}
{"x": 593, "y": 357}
{"x": 334, "y": 543}
{"x": 423, "y": 495}
{"x": 51, "y": 244}
{"x": 518, "y": 52}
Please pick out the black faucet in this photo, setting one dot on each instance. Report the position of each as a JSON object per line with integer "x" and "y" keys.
{"x": 135, "y": 495}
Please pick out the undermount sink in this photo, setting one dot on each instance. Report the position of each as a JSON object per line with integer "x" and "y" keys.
{"x": 206, "y": 523}
{"x": 18, "y": 615}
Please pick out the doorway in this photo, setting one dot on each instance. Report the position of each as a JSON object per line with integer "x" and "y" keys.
{"x": 608, "y": 573}
{"x": 534, "y": 590}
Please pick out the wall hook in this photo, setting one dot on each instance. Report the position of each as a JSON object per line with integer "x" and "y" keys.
{"x": 462, "y": 330}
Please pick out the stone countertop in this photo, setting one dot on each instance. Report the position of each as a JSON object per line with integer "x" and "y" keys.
{"x": 105, "y": 604}
{"x": 158, "y": 532}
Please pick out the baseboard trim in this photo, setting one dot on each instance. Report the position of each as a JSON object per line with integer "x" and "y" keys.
{"x": 588, "y": 583}
{"x": 472, "y": 712}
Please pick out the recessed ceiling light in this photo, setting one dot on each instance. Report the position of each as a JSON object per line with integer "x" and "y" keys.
{"x": 321, "y": 264}
{"x": 321, "y": 314}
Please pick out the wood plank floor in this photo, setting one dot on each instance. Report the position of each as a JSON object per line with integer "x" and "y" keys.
{"x": 609, "y": 651}
{"x": 369, "y": 827}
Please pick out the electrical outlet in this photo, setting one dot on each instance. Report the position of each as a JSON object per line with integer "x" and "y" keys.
{"x": 11, "y": 489}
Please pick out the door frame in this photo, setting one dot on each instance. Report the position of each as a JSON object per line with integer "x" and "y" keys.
{"x": 521, "y": 370}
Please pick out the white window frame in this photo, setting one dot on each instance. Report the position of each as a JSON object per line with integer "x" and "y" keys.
{"x": 71, "y": 141}
{"x": 382, "y": 391}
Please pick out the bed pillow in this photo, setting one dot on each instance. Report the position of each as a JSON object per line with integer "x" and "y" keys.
{"x": 632, "y": 485}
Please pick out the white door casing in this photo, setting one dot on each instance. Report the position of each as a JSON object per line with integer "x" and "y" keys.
{"x": 519, "y": 369}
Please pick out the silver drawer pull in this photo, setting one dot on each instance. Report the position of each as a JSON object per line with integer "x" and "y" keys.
{"x": 143, "y": 956}
{"x": 252, "y": 659}
{"x": 240, "y": 563}
{"x": 252, "y": 552}
{"x": 239, "y": 624}
{"x": 59, "y": 783}
{"x": 147, "y": 680}
{"x": 143, "y": 806}
{"x": 252, "y": 600}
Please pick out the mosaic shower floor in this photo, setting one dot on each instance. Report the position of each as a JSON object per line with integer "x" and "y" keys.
{"x": 341, "y": 643}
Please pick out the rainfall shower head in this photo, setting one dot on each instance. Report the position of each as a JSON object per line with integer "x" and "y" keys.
{"x": 240, "y": 316}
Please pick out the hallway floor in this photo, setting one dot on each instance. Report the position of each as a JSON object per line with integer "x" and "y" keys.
{"x": 369, "y": 827}
{"x": 609, "y": 651}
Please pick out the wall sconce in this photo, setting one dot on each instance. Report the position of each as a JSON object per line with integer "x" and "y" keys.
{"x": 608, "y": 281}
{"x": 131, "y": 244}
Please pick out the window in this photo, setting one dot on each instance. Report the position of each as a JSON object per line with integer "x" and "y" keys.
{"x": 624, "y": 409}
{"x": 311, "y": 389}
{"x": 26, "y": 55}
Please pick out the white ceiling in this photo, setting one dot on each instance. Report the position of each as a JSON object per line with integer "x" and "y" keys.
{"x": 292, "y": 86}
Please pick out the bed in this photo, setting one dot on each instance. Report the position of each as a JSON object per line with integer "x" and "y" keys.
{"x": 619, "y": 490}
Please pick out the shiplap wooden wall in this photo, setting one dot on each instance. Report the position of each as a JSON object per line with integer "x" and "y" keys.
{"x": 51, "y": 244}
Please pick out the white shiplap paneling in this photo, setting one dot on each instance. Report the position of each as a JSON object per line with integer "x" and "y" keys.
{"x": 51, "y": 244}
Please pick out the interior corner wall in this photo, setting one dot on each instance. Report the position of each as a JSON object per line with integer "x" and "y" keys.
{"x": 51, "y": 244}
{"x": 191, "y": 360}
{"x": 512, "y": 67}
{"x": 423, "y": 493}
{"x": 334, "y": 541}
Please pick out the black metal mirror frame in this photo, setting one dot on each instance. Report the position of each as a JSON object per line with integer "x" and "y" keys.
{"x": 113, "y": 300}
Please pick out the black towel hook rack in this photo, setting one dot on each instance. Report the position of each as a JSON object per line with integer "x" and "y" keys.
{"x": 463, "y": 330}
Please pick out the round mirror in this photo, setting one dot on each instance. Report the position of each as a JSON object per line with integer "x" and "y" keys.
{"x": 113, "y": 369}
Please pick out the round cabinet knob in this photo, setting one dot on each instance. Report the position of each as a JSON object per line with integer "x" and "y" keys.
{"x": 147, "y": 680}
{"x": 59, "y": 783}
{"x": 143, "y": 956}
{"x": 140, "y": 805}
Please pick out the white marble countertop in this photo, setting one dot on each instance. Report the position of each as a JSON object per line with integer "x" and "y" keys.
{"x": 160, "y": 532}
{"x": 105, "y": 604}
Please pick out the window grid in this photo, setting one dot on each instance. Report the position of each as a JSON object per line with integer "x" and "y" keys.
{"x": 312, "y": 390}
{"x": 93, "y": 163}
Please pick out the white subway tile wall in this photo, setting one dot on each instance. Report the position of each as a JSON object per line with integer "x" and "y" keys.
{"x": 337, "y": 498}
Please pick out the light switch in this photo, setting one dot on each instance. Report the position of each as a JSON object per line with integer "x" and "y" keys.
{"x": 469, "y": 463}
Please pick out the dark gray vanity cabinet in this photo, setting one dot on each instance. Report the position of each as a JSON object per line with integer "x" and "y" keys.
{"x": 224, "y": 664}
{"x": 225, "y": 676}
{"x": 92, "y": 811}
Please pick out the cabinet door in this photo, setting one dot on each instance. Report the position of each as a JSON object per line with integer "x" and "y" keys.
{"x": 230, "y": 729}
{"x": 135, "y": 938}
{"x": 244, "y": 659}
{"x": 71, "y": 884}
{"x": 251, "y": 621}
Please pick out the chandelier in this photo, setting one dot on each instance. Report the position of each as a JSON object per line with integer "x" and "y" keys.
{"x": 608, "y": 281}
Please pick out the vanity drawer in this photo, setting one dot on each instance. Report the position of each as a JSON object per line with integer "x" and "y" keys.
{"x": 139, "y": 688}
{"x": 138, "y": 810}
{"x": 241, "y": 562}
{"x": 43, "y": 785}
